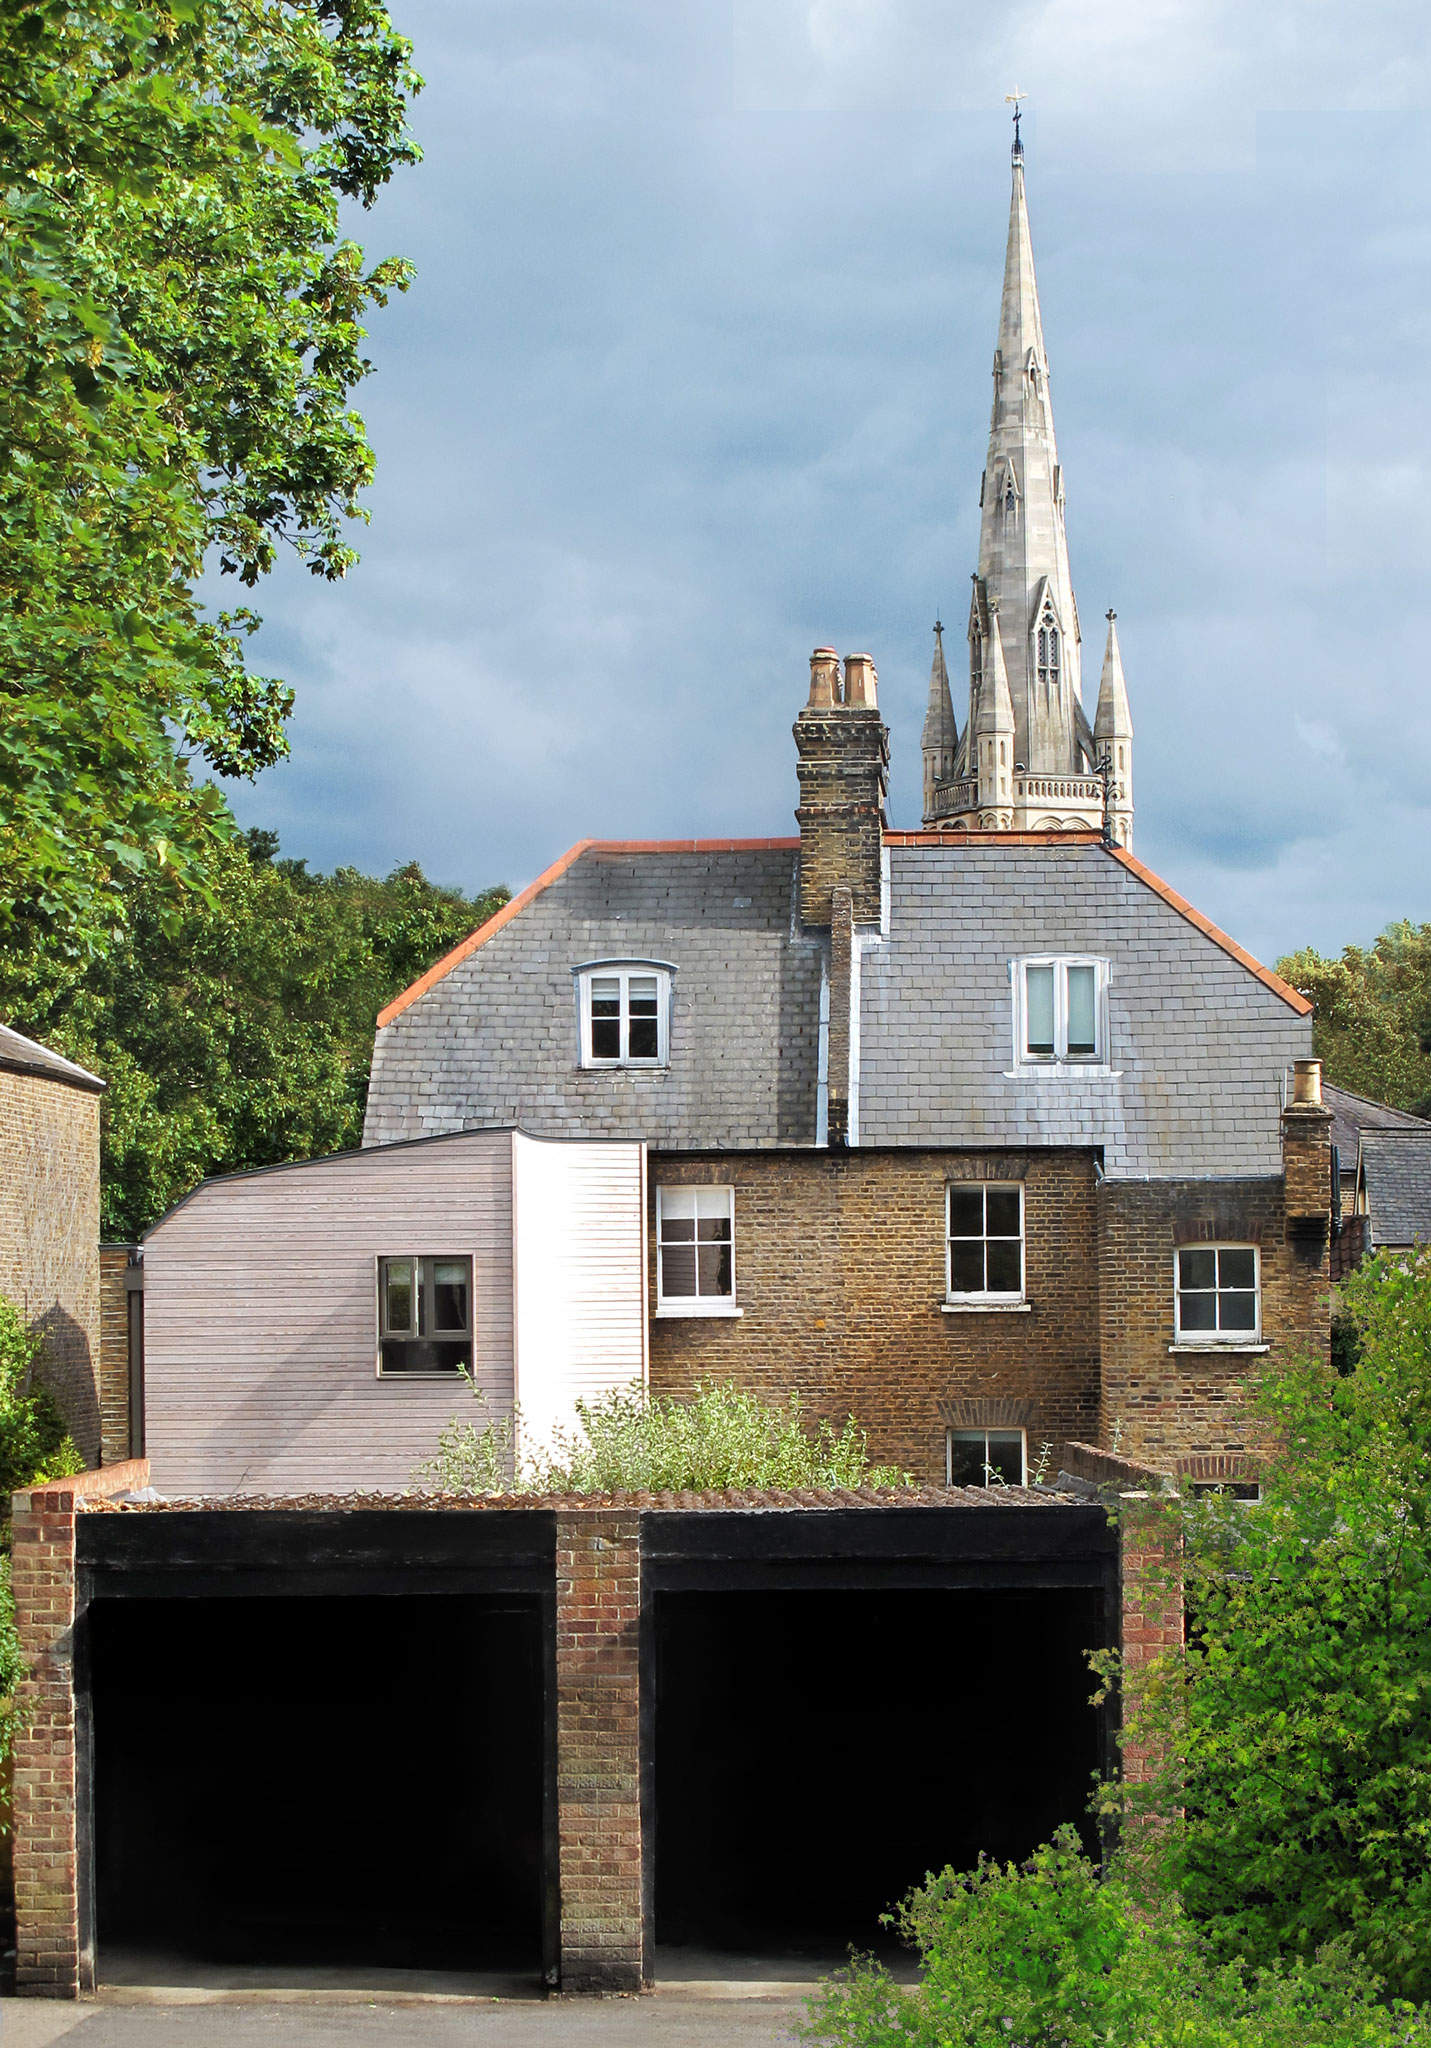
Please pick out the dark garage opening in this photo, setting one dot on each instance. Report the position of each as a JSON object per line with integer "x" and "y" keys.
{"x": 817, "y": 1752}
{"x": 326, "y": 1781}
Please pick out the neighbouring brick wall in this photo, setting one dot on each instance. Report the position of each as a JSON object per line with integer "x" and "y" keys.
{"x": 49, "y": 1235}
{"x": 1176, "y": 1407}
{"x": 49, "y": 1960}
{"x": 598, "y": 1624}
{"x": 1150, "y": 1572}
{"x": 840, "y": 1279}
{"x": 114, "y": 1352}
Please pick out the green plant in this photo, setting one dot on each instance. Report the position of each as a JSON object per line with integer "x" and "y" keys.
{"x": 1052, "y": 1955}
{"x": 632, "y": 1442}
{"x": 34, "y": 1443}
{"x": 1292, "y": 1805}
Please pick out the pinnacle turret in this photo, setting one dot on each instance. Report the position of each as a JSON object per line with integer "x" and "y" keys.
{"x": 1113, "y": 734}
{"x": 940, "y": 739}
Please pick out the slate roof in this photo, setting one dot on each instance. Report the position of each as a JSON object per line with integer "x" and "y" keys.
{"x": 1353, "y": 1114}
{"x": 1201, "y": 1036}
{"x": 1395, "y": 1171}
{"x": 21, "y": 1055}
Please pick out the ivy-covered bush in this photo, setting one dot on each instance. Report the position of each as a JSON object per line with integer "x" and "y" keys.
{"x": 1051, "y": 1955}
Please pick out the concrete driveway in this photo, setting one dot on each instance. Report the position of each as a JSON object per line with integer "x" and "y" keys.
{"x": 666, "y": 2019}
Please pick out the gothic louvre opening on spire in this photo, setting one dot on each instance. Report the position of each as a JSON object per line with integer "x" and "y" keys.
{"x": 1023, "y": 618}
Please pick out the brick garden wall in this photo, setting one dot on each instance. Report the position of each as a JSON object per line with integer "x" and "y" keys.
{"x": 840, "y": 1278}
{"x": 598, "y": 1658}
{"x": 49, "y": 1235}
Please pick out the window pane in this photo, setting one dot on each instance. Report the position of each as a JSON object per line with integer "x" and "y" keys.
{"x": 1082, "y": 1028}
{"x": 966, "y": 1266}
{"x": 1197, "y": 1269}
{"x": 1237, "y": 1268}
{"x": 714, "y": 1268}
{"x": 1005, "y": 1266}
{"x": 678, "y": 1229}
{"x": 449, "y": 1294}
{"x": 645, "y": 1039}
{"x": 1197, "y": 1311}
{"x": 1038, "y": 987}
{"x": 606, "y": 1038}
{"x": 1003, "y": 1211}
{"x": 605, "y": 995}
{"x": 678, "y": 1269}
{"x": 397, "y": 1296}
{"x": 966, "y": 1212}
{"x": 712, "y": 1201}
{"x": 713, "y": 1229}
{"x": 678, "y": 1202}
{"x": 1237, "y": 1311}
{"x": 643, "y": 995}
{"x": 966, "y": 1457}
{"x": 1006, "y": 1455}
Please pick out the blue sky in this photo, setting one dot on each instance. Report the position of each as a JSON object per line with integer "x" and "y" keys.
{"x": 695, "y": 377}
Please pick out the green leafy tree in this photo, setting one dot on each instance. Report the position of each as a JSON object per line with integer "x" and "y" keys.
{"x": 1372, "y": 1028}
{"x": 1293, "y": 1807}
{"x": 180, "y": 331}
{"x": 235, "y": 1029}
{"x": 1054, "y": 1954}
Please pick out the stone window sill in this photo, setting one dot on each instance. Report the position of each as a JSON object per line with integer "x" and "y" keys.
{"x": 986, "y": 1308}
{"x": 669, "y": 1311}
{"x": 1208, "y": 1350}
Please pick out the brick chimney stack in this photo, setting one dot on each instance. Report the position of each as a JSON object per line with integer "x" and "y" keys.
{"x": 1307, "y": 1163}
{"x": 843, "y": 749}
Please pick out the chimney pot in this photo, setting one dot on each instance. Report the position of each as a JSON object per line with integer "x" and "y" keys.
{"x": 824, "y": 678}
{"x": 1307, "y": 1084}
{"x": 861, "y": 682}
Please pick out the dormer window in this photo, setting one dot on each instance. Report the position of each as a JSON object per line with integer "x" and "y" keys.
{"x": 1060, "y": 1011}
{"x": 624, "y": 1012}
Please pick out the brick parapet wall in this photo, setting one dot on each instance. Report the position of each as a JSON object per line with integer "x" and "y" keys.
{"x": 49, "y": 1959}
{"x": 598, "y": 1661}
{"x": 1176, "y": 1406}
{"x": 1151, "y": 1601}
{"x": 49, "y": 1235}
{"x": 840, "y": 1279}
{"x": 1108, "y": 1468}
{"x": 114, "y": 1266}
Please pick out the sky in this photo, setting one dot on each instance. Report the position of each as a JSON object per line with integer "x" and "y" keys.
{"x": 695, "y": 377}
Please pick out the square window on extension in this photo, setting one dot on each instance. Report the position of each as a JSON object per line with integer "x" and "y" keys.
{"x": 425, "y": 1314}
{"x": 1218, "y": 1295}
{"x": 984, "y": 1457}
{"x": 695, "y": 1251}
{"x": 985, "y": 1242}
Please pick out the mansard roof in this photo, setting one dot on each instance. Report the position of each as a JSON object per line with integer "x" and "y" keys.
{"x": 1394, "y": 1176}
{"x": 1201, "y": 1034}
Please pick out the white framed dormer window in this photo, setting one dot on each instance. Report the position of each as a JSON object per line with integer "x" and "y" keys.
{"x": 1218, "y": 1295}
{"x": 1060, "y": 1010}
{"x": 624, "y": 1012}
{"x": 695, "y": 1251}
{"x": 424, "y": 1315}
{"x": 984, "y": 1252}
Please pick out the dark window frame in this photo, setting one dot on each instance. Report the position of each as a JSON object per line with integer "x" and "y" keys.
{"x": 428, "y": 1335}
{"x": 1007, "y": 1433}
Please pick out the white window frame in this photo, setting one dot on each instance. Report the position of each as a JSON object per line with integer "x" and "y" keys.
{"x": 419, "y": 1260}
{"x": 1218, "y": 1340}
{"x": 624, "y": 970}
{"x": 674, "y": 1305}
{"x": 993, "y": 1429}
{"x": 1082, "y": 1062}
{"x": 981, "y": 1297}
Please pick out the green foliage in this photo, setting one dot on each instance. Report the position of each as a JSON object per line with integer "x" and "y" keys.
{"x": 1051, "y": 1956}
{"x": 632, "y": 1442}
{"x": 237, "y": 1029}
{"x": 1296, "y": 1803}
{"x": 34, "y": 1443}
{"x": 1372, "y": 1029}
{"x": 180, "y": 331}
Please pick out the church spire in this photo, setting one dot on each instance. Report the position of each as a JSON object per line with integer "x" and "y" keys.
{"x": 1023, "y": 579}
{"x": 940, "y": 739}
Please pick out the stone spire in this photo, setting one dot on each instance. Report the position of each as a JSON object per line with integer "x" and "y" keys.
{"x": 1113, "y": 735}
{"x": 992, "y": 732}
{"x": 940, "y": 741}
{"x": 1023, "y": 577}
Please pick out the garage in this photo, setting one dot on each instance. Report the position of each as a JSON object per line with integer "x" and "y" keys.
{"x": 816, "y": 1752}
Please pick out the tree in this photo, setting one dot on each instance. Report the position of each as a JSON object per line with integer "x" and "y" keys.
{"x": 237, "y": 1029}
{"x": 1372, "y": 1029}
{"x": 1295, "y": 1803}
{"x": 179, "y": 335}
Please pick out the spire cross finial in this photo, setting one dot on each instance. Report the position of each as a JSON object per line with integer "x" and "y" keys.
{"x": 1011, "y": 99}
